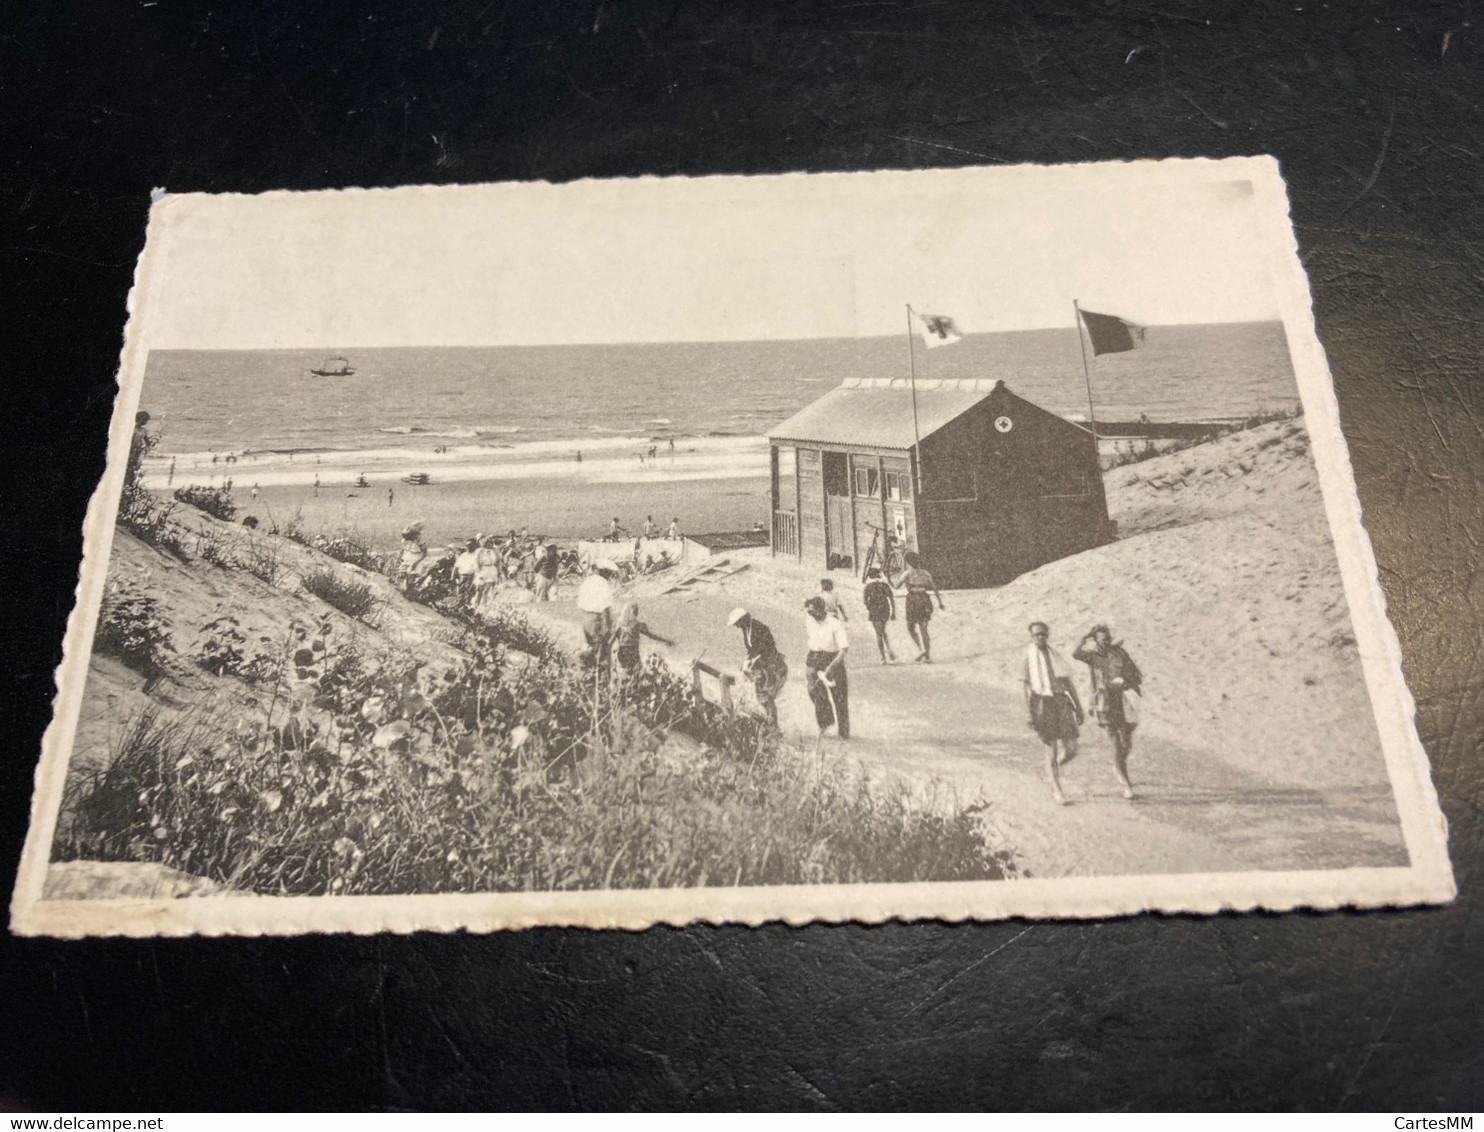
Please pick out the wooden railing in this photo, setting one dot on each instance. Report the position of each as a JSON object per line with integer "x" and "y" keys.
{"x": 724, "y": 681}
{"x": 785, "y": 533}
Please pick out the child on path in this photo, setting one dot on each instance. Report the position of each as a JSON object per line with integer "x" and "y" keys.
{"x": 831, "y": 599}
{"x": 626, "y": 634}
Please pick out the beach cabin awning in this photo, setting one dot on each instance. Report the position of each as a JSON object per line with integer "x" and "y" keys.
{"x": 866, "y": 412}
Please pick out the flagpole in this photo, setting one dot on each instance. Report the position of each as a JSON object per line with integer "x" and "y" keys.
{"x": 1092, "y": 420}
{"x": 916, "y": 439}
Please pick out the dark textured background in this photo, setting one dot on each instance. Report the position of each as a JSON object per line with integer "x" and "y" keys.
{"x": 1374, "y": 110}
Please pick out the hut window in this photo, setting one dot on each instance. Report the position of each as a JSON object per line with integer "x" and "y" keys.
{"x": 866, "y": 483}
{"x": 898, "y": 487}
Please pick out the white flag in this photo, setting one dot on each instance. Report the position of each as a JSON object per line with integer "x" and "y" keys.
{"x": 938, "y": 330}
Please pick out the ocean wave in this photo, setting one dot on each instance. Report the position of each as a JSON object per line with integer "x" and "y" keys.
{"x": 456, "y": 433}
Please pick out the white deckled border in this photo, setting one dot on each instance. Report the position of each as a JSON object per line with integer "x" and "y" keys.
{"x": 1428, "y": 878}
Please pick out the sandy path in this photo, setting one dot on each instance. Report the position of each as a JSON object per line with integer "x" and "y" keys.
{"x": 950, "y": 726}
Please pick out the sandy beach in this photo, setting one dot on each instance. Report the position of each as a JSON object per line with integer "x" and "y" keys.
{"x": 458, "y": 510}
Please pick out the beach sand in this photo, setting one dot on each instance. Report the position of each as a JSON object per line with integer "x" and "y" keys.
{"x": 454, "y": 511}
{"x": 1258, "y": 748}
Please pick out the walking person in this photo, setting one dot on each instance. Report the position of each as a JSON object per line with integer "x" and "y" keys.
{"x": 674, "y": 532}
{"x": 881, "y": 607}
{"x": 595, "y": 598}
{"x": 465, "y": 566}
{"x": 832, "y": 604}
{"x": 412, "y": 553}
{"x": 486, "y": 571}
{"x": 824, "y": 668}
{"x": 1051, "y": 702}
{"x": 1116, "y": 680}
{"x": 547, "y": 563}
{"x": 626, "y": 633}
{"x": 919, "y": 606}
{"x": 391, "y": 493}
{"x": 170, "y": 479}
{"x": 764, "y": 665}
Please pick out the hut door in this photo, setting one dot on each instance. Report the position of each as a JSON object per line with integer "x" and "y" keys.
{"x": 839, "y": 531}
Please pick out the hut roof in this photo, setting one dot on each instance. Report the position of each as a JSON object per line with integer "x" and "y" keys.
{"x": 877, "y": 412}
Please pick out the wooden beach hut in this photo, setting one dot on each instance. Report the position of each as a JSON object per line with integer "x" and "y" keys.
{"x": 983, "y": 484}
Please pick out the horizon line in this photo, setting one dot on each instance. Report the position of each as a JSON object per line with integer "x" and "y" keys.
{"x": 681, "y": 341}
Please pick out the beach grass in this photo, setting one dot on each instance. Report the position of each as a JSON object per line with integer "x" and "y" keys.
{"x": 499, "y": 776}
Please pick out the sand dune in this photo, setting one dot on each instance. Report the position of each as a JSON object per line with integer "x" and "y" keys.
{"x": 1258, "y": 749}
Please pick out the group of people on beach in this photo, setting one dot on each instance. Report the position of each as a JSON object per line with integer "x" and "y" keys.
{"x": 617, "y": 532}
{"x": 825, "y": 675}
{"x": 1054, "y": 709}
{"x": 481, "y": 563}
{"x": 613, "y": 641}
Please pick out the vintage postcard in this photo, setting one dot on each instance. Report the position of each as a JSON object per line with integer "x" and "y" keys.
{"x": 960, "y": 544}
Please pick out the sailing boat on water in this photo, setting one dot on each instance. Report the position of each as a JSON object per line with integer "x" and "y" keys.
{"x": 337, "y": 366}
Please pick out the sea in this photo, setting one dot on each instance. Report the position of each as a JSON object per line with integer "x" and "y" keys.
{"x": 518, "y": 411}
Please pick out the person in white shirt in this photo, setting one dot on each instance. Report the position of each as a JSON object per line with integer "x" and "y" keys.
{"x": 1051, "y": 700}
{"x": 465, "y": 566}
{"x": 595, "y": 598}
{"x": 824, "y": 668}
{"x": 674, "y": 531}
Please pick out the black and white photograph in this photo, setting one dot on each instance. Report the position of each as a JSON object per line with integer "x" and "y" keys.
{"x": 943, "y": 544}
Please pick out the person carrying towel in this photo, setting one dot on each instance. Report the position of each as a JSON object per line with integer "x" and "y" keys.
{"x": 825, "y": 668}
{"x": 1051, "y": 701}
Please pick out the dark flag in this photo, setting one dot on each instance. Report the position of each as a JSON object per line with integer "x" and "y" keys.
{"x": 1112, "y": 335}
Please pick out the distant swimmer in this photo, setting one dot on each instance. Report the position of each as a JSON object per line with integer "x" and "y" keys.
{"x": 579, "y": 455}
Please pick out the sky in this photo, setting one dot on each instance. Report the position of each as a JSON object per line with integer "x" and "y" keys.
{"x": 718, "y": 258}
